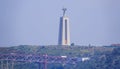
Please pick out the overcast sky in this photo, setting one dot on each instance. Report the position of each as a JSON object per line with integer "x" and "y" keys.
{"x": 36, "y": 22}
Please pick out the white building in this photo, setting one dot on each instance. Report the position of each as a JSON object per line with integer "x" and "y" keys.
{"x": 85, "y": 59}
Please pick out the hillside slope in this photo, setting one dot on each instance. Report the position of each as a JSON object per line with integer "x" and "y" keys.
{"x": 101, "y": 57}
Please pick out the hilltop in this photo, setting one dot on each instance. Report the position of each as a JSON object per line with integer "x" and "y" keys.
{"x": 78, "y": 51}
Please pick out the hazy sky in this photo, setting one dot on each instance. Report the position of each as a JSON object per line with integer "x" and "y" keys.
{"x": 36, "y": 22}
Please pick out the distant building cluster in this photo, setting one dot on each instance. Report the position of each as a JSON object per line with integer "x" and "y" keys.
{"x": 115, "y": 44}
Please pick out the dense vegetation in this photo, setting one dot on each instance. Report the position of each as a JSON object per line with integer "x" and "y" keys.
{"x": 101, "y": 57}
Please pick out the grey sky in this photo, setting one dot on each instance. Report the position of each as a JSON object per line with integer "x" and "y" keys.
{"x": 35, "y": 22}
